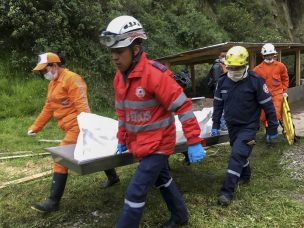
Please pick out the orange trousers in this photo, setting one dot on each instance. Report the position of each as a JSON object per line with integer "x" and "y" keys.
{"x": 70, "y": 137}
{"x": 277, "y": 102}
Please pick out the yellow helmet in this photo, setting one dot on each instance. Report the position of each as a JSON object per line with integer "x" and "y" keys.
{"x": 236, "y": 56}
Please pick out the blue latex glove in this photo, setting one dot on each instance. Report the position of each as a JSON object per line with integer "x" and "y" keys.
{"x": 196, "y": 152}
{"x": 270, "y": 138}
{"x": 121, "y": 148}
{"x": 214, "y": 132}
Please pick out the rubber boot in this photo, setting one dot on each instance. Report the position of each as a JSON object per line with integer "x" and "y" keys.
{"x": 224, "y": 200}
{"x": 227, "y": 190}
{"x": 245, "y": 176}
{"x": 176, "y": 205}
{"x": 129, "y": 217}
{"x": 186, "y": 158}
{"x": 57, "y": 189}
{"x": 112, "y": 178}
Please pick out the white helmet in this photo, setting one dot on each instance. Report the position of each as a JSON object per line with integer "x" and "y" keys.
{"x": 121, "y": 32}
{"x": 268, "y": 49}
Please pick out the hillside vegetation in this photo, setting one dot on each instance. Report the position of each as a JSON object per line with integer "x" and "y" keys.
{"x": 274, "y": 197}
{"x": 72, "y": 27}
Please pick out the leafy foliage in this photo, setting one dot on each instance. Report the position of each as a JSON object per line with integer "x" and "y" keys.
{"x": 248, "y": 21}
{"x": 31, "y": 27}
{"x": 38, "y": 26}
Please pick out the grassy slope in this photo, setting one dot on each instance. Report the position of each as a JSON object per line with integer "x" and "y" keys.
{"x": 270, "y": 200}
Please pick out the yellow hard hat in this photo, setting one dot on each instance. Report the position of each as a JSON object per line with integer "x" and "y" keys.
{"x": 236, "y": 56}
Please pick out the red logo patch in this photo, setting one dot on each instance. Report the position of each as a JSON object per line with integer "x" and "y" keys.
{"x": 140, "y": 92}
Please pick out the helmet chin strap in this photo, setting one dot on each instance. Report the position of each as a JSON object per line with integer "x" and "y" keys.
{"x": 135, "y": 59}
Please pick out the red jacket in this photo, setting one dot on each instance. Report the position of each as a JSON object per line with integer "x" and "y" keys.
{"x": 66, "y": 98}
{"x": 275, "y": 75}
{"x": 144, "y": 105}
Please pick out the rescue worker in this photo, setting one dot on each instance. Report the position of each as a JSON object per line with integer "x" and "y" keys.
{"x": 241, "y": 94}
{"x": 276, "y": 77}
{"x": 146, "y": 96}
{"x": 218, "y": 68}
{"x": 66, "y": 98}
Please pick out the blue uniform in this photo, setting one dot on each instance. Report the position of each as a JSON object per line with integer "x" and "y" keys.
{"x": 152, "y": 170}
{"x": 242, "y": 102}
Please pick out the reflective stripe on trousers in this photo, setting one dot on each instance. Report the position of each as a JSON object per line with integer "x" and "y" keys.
{"x": 238, "y": 160}
{"x": 152, "y": 170}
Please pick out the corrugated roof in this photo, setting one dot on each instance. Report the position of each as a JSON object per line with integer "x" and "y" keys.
{"x": 209, "y": 53}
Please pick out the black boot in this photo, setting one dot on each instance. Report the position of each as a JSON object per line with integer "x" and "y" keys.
{"x": 173, "y": 224}
{"x": 227, "y": 190}
{"x": 176, "y": 205}
{"x": 57, "y": 189}
{"x": 186, "y": 158}
{"x": 224, "y": 200}
{"x": 246, "y": 175}
{"x": 112, "y": 178}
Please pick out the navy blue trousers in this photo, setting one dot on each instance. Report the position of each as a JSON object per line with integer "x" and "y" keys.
{"x": 241, "y": 141}
{"x": 152, "y": 170}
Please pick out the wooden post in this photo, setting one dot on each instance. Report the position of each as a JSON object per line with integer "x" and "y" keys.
{"x": 298, "y": 67}
{"x": 252, "y": 59}
{"x": 167, "y": 64}
{"x": 192, "y": 71}
{"x": 279, "y": 55}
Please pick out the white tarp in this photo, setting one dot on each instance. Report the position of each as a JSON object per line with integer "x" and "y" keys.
{"x": 204, "y": 120}
{"x": 97, "y": 137}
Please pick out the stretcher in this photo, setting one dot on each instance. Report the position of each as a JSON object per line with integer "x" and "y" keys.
{"x": 64, "y": 155}
{"x": 288, "y": 126}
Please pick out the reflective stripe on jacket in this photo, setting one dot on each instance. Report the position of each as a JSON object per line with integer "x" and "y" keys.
{"x": 242, "y": 102}
{"x": 275, "y": 75}
{"x": 66, "y": 98}
{"x": 145, "y": 104}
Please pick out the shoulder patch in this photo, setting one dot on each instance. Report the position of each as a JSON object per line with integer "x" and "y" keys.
{"x": 159, "y": 66}
{"x": 265, "y": 88}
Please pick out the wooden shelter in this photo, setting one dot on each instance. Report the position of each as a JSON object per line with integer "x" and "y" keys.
{"x": 210, "y": 53}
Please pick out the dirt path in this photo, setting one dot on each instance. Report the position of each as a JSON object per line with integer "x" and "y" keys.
{"x": 297, "y": 113}
{"x": 293, "y": 160}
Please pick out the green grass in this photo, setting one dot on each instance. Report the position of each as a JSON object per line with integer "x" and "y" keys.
{"x": 272, "y": 199}
{"x": 268, "y": 201}
{"x": 21, "y": 94}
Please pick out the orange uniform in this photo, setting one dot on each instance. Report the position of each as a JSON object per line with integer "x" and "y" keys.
{"x": 66, "y": 98}
{"x": 277, "y": 81}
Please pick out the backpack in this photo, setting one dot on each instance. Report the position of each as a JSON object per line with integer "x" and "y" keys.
{"x": 210, "y": 79}
{"x": 183, "y": 79}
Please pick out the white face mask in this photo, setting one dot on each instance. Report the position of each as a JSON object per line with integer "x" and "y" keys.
{"x": 50, "y": 76}
{"x": 222, "y": 59}
{"x": 268, "y": 61}
{"x": 238, "y": 74}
